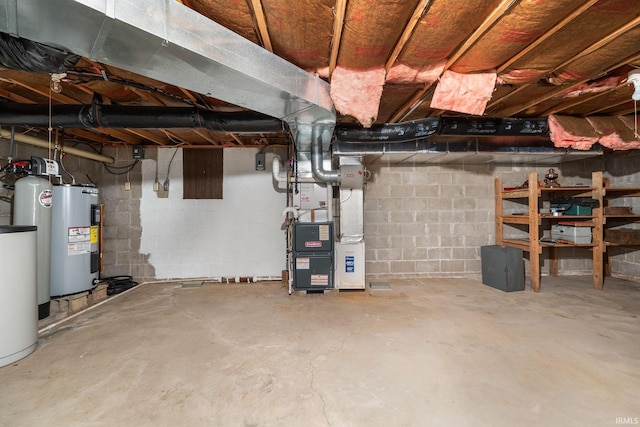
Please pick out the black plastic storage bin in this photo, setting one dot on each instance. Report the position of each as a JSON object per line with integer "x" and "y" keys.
{"x": 502, "y": 268}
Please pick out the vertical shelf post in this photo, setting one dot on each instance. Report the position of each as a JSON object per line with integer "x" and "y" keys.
{"x": 498, "y": 211}
{"x": 535, "y": 250}
{"x": 599, "y": 247}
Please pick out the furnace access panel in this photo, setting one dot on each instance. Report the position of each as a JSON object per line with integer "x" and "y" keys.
{"x": 313, "y": 255}
{"x": 313, "y": 237}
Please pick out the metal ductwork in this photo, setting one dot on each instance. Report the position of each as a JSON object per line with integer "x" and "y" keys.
{"x": 443, "y": 126}
{"x": 317, "y": 159}
{"x": 117, "y": 116}
{"x": 388, "y": 132}
{"x": 457, "y": 140}
{"x": 465, "y": 150}
{"x": 167, "y": 41}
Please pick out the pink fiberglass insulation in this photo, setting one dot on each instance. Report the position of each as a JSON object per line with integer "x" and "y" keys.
{"x": 591, "y": 87}
{"x": 322, "y": 72}
{"x": 614, "y": 133}
{"x": 406, "y": 74}
{"x": 520, "y": 76}
{"x": 573, "y": 132}
{"x": 616, "y": 143}
{"x": 357, "y": 92}
{"x": 465, "y": 93}
{"x": 632, "y": 122}
{"x": 523, "y": 23}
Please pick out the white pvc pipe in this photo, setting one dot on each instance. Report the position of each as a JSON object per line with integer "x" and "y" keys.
{"x": 275, "y": 167}
{"x": 26, "y": 139}
{"x": 281, "y": 176}
{"x": 295, "y": 211}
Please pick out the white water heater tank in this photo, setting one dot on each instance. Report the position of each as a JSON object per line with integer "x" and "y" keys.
{"x": 75, "y": 221}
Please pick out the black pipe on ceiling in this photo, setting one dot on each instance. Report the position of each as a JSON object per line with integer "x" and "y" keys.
{"x": 136, "y": 117}
{"x": 139, "y": 117}
{"x": 445, "y": 126}
{"x": 388, "y": 132}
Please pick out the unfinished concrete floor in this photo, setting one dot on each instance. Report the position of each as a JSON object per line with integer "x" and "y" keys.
{"x": 432, "y": 352}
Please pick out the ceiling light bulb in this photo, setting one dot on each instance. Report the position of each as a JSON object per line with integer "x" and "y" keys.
{"x": 56, "y": 78}
{"x": 56, "y": 86}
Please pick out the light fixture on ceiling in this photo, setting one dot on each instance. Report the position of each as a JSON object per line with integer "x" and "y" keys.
{"x": 634, "y": 78}
{"x": 56, "y": 79}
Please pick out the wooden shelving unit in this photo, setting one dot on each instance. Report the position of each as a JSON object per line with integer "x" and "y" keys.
{"x": 532, "y": 223}
{"x": 610, "y": 193}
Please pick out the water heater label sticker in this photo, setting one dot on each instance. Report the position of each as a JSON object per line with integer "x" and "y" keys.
{"x": 302, "y": 263}
{"x": 94, "y": 234}
{"x": 324, "y": 232}
{"x": 79, "y": 248}
{"x": 45, "y": 198}
{"x": 79, "y": 234}
{"x": 319, "y": 279}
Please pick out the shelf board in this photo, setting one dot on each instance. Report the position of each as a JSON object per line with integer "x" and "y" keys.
{"x": 567, "y": 217}
{"x": 524, "y": 244}
{"x": 567, "y": 188}
{"x": 613, "y": 192}
{"x": 517, "y": 243}
{"x": 565, "y": 245}
{"x": 515, "y": 219}
{"x": 575, "y": 191}
{"x": 515, "y": 194}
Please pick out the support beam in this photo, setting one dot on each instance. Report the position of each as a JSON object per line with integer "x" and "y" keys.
{"x": 602, "y": 42}
{"x": 573, "y": 15}
{"x": 261, "y": 22}
{"x": 595, "y": 46}
{"x": 493, "y": 17}
{"x": 408, "y": 32}
{"x": 424, "y": 93}
{"x": 203, "y": 134}
{"x": 150, "y": 136}
{"x": 511, "y": 111}
{"x": 561, "y": 107}
{"x": 339, "y": 12}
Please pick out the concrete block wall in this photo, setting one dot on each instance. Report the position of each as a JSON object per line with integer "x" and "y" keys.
{"x": 623, "y": 169}
{"x": 431, "y": 220}
{"x": 122, "y": 229}
{"x": 427, "y": 221}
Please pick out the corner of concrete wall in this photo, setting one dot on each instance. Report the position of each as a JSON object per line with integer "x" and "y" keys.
{"x": 122, "y": 224}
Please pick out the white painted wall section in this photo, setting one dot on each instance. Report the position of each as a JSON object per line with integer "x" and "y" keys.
{"x": 238, "y": 236}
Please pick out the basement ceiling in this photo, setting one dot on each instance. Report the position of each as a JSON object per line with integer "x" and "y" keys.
{"x": 384, "y": 61}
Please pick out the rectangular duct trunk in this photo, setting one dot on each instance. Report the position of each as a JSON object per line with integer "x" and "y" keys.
{"x": 167, "y": 41}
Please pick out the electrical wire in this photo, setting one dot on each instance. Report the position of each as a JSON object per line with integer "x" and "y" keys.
{"x": 73, "y": 179}
{"x": 118, "y": 284}
{"x": 106, "y": 77}
{"x": 635, "y": 118}
{"x": 124, "y": 169}
{"x": 165, "y": 184}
